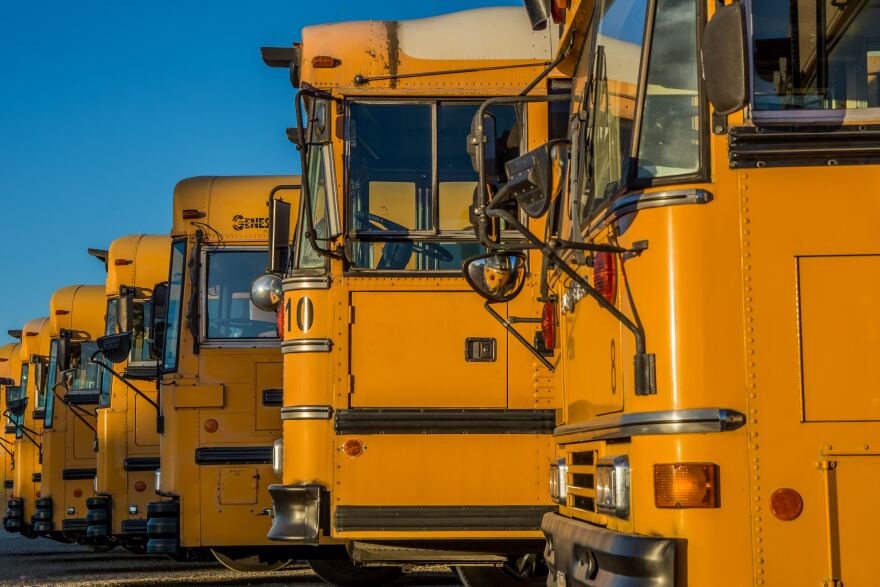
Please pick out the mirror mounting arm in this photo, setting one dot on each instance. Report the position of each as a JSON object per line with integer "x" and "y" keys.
{"x": 25, "y": 431}
{"x": 508, "y": 325}
{"x": 643, "y": 362}
{"x": 94, "y": 359}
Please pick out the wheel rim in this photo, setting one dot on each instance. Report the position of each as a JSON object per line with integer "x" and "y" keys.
{"x": 248, "y": 564}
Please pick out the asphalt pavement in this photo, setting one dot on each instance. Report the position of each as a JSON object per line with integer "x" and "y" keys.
{"x": 25, "y": 562}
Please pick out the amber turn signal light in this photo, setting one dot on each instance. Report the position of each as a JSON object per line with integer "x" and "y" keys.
{"x": 686, "y": 485}
{"x": 325, "y": 62}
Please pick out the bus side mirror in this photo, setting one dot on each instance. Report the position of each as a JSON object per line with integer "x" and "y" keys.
{"x": 498, "y": 277}
{"x": 489, "y": 163}
{"x": 536, "y": 178}
{"x": 158, "y": 303}
{"x": 279, "y": 235}
{"x": 65, "y": 350}
{"x": 115, "y": 347}
{"x": 539, "y": 13}
{"x": 725, "y": 59}
{"x": 125, "y": 309}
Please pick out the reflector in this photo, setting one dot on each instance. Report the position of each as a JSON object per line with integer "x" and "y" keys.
{"x": 548, "y": 325}
{"x": 786, "y": 504}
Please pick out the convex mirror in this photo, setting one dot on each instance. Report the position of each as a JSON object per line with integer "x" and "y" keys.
{"x": 266, "y": 292}
{"x": 498, "y": 277}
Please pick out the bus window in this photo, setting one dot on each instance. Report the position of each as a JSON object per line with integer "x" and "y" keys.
{"x": 228, "y": 310}
{"x": 170, "y": 348}
{"x": 52, "y": 375}
{"x": 810, "y": 55}
{"x": 85, "y": 373}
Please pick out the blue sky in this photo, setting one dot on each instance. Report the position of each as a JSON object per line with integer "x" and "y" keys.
{"x": 104, "y": 106}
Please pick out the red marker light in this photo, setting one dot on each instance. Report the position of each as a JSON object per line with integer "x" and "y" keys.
{"x": 557, "y": 10}
{"x": 548, "y": 325}
{"x": 605, "y": 275}
{"x": 279, "y": 323}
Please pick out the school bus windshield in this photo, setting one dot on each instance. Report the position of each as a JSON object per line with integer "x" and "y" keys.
{"x": 410, "y": 182}
{"x": 810, "y": 55}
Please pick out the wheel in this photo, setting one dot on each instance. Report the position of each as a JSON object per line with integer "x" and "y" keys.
{"x": 248, "y": 564}
{"x": 343, "y": 573}
{"x": 526, "y": 571}
{"x": 135, "y": 548}
{"x": 101, "y": 547}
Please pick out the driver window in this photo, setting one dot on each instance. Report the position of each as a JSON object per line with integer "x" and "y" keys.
{"x": 229, "y": 312}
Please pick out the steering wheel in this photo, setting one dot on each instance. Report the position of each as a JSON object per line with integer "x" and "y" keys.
{"x": 395, "y": 255}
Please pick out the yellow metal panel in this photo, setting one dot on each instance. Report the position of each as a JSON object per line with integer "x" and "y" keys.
{"x": 266, "y": 376}
{"x": 237, "y": 485}
{"x": 420, "y": 332}
{"x": 839, "y": 341}
{"x": 145, "y": 433}
{"x": 198, "y": 396}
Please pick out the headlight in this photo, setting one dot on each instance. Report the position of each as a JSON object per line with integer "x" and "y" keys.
{"x": 278, "y": 457}
{"x": 612, "y": 486}
{"x": 157, "y": 480}
{"x": 559, "y": 481}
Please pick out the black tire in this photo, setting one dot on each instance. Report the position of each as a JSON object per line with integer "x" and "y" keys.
{"x": 341, "y": 572}
{"x": 101, "y": 546}
{"x": 135, "y": 549}
{"x": 533, "y": 574}
{"x": 162, "y": 509}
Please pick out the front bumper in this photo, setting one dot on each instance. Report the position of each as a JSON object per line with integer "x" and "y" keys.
{"x": 297, "y": 513}
{"x": 587, "y": 555}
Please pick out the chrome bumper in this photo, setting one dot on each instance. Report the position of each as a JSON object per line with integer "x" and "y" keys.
{"x": 297, "y": 513}
{"x": 579, "y": 554}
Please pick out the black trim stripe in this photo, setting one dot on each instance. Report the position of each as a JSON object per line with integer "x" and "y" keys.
{"x": 750, "y": 147}
{"x": 444, "y": 421}
{"x": 40, "y": 414}
{"x": 36, "y": 477}
{"x": 142, "y": 371}
{"x": 273, "y": 398}
{"x": 426, "y": 518}
{"x": 78, "y": 474}
{"x": 83, "y": 398}
{"x": 10, "y": 429}
{"x": 234, "y": 455}
{"x": 134, "y": 526}
{"x": 8, "y": 484}
{"x": 141, "y": 463}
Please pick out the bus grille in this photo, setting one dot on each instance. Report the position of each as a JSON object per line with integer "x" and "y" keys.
{"x": 582, "y": 481}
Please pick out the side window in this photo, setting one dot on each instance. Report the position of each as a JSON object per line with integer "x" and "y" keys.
{"x": 228, "y": 311}
{"x": 141, "y": 319}
{"x": 669, "y": 143}
{"x": 171, "y": 347}
{"x": 86, "y": 374}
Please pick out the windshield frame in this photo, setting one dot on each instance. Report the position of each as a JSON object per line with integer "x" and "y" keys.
{"x": 586, "y": 225}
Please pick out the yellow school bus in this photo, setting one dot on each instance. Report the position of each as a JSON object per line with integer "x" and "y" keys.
{"x": 719, "y": 426}
{"x": 416, "y": 425}
{"x": 220, "y": 377}
{"x": 128, "y": 439}
{"x": 8, "y": 358}
{"x": 69, "y": 438}
{"x": 26, "y": 415}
